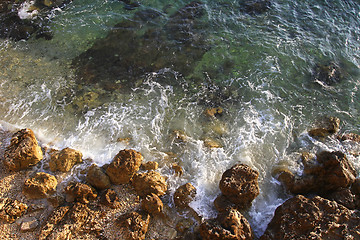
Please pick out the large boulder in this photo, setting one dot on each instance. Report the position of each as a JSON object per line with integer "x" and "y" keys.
{"x": 11, "y": 209}
{"x": 135, "y": 225}
{"x": 80, "y": 192}
{"x": 97, "y": 178}
{"x": 65, "y": 159}
{"x": 240, "y": 185}
{"x": 229, "y": 225}
{"x": 124, "y": 165}
{"x": 313, "y": 218}
{"x": 184, "y": 195}
{"x": 23, "y": 151}
{"x": 328, "y": 171}
{"x": 41, "y": 185}
{"x": 148, "y": 183}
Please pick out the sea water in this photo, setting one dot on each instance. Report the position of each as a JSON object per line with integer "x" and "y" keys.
{"x": 263, "y": 65}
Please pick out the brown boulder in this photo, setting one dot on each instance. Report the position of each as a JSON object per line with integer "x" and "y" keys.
{"x": 23, "y": 151}
{"x": 149, "y": 166}
{"x": 345, "y": 197}
{"x": 135, "y": 225}
{"x": 152, "y": 204}
{"x": 97, "y": 178}
{"x": 223, "y": 204}
{"x": 40, "y": 186}
{"x": 110, "y": 199}
{"x": 350, "y": 137}
{"x": 229, "y": 225}
{"x": 313, "y": 218}
{"x": 124, "y": 165}
{"x": 11, "y": 209}
{"x": 326, "y": 127}
{"x": 64, "y": 160}
{"x": 80, "y": 192}
{"x": 184, "y": 195}
{"x": 149, "y": 182}
{"x": 239, "y": 184}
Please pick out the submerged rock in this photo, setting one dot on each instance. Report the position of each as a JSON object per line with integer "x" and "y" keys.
{"x": 148, "y": 183}
{"x": 214, "y": 112}
{"x": 350, "y": 137}
{"x": 313, "y": 218}
{"x": 80, "y": 192}
{"x": 42, "y": 185}
{"x": 11, "y": 209}
{"x": 328, "y": 74}
{"x": 23, "y": 151}
{"x": 255, "y": 6}
{"x": 135, "y": 225}
{"x": 184, "y": 195}
{"x": 124, "y": 166}
{"x": 326, "y": 127}
{"x": 64, "y": 160}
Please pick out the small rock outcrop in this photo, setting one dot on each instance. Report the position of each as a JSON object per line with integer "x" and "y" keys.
{"x": 29, "y": 224}
{"x": 148, "y": 183}
{"x": 110, "y": 199}
{"x": 11, "y": 209}
{"x": 240, "y": 185}
{"x": 65, "y": 159}
{"x": 329, "y": 74}
{"x": 229, "y": 225}
{"x": 124, "y": 165}
{"x": 41, "y": 185}
{"x": 55, "y": 217}
{"x": 313, "y": 218}
{"x": 325, "y": 127}
{"x": 152, "y": 204}
{"x": 149, "y": 166}
{"x": 328, "y": 171}
{"x": 214, "y": 112}
{"x": 184, "y": 195}
{"x": 23, "y": 151}
{"x": 350, "y": 137}
{"x": 80, "y": 192}
{"x": 97, "y": 178}
{"x": 135, "y": 225}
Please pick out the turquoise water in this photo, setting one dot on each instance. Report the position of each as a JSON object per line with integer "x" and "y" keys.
{"x": 257, "y": 67}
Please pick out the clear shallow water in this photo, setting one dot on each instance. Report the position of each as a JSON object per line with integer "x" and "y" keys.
{"x": 262, "y": 66}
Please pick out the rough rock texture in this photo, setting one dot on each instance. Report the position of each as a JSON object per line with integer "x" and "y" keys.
{"x": 149, "y": 182}
{"x": 23, "y": 151}
{"x": 80, "y": 192}
{"x": 350, "y": 137}
{"x": 135, "y": 225}
{"x": 152, "y": 204}
{"x": 97, "y": 178}
{"x": 214, "y": 112}
{"x": 149, "y": 166}
{"x": 55, "y": 217}
{"x": 229, "y": 225}
{"x": 184, "y": 195}
{"x": 313, "y": 218}
{"x": 40, "y": 186}
{"x": 110, "y": 199}
{"x": 329, "y": 171}
{"x": 345, "y": 197}
{"x": 239, "y": 184}
{"x": 326, "y": 127}
{"x": 65, "y": 159}
{"x": 328, "y": 74}
{"x": 124, "y": 165}
{"x": 177, "y": 169}
{"x": 223, "y": 204}
{"x": 11, "y": 209}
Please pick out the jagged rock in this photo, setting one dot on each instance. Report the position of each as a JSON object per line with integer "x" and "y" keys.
{"x": 11, "y": 209}
{"x": 214, "y": 112}
{"x": 124, "y": 165}
{"x": 97, "y": 178}
{"x": 29, "y": 224}
{"x": 229, "y": 225}
{"x": 55, "y": 217}
{"x": 239, "y": 184}
{"x": 328, "y": 74}
{"x": 149, "y": 182}
{"x": 184, "y": 195}
{"x": 329, "y": 171}
{"x": 326, "y": 127}
{"x": 80, "y": 192}
{"x": 313, "y": 218}
{"x": 177, "y": 169}
{"x": 23, "y": 151}
{"x": 149, "y": 166}
{"x": 345, "y": 197}
{"x": 350, "y": 137}
{"x": 223, "y": 204}
{"x": 152, "y": 204}
{"x": 64, "y": 160}
{"x": 110, "y": 199}
{"x": 40, "y": 186}
{"x": 135, "y": 225}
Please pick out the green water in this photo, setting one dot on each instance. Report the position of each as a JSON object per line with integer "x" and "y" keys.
{"x": 258, "y": 68}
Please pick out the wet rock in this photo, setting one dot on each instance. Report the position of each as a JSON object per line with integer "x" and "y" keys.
{"x": 179, "y": 136}
{"x": 11, "y": 209}
{"x": 350, "y": 137}
{"x": 329, "y": 171}
{"x": 228, "y": 225}
{"x": 135, "y": 225}
{"x": 64, "y": 160}
{"x": 148, "y": 183}
{"x": 124, "y": 165}
{"x": 41, "y": 185}
{"x": 214, "y": 112}
{"x": 239, "y": 184}
{"x": 223, "y": 204}
{"x": 23, "y": 151}
{"x": 152, "y": 204}
{"x": 326, "y": 127}
{"x": 211, "y": 143}
{"x": 97, "y": 178}
{"x": 315, "y": 218}
{"x": 110, "y": 199}
{"x": 29, "y": 224}
{"x": 329, "y": 74}
{"x": 184, "y": 195}
{"x": 80, "y": 192}
{"x": 149, "y": 166}
{"x": 255, "y": 6}
{"x": 177, "y": 169}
